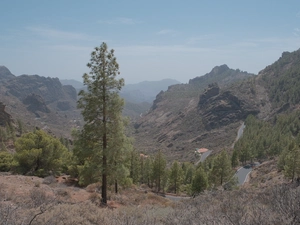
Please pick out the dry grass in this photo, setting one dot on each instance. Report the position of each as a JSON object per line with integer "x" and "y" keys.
{"x": 95, "y": 187}
{"x": 56, "y": 203}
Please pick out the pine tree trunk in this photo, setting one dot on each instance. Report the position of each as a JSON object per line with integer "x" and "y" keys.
{"x": 104, "y": 145}
{"x": 104, "y": 182}
{"x": 104, "y": 171}
{"x": 116, "y": 186}
{"x": 116, "y": 181}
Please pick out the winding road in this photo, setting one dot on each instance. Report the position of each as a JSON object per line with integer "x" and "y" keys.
{"x": 203, "y": 156}
{"x": 242, "y": 174}
{"x": 239, "y": 134}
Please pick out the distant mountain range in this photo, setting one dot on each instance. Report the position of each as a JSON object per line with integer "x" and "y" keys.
{"x": 145, "y": 91}
{"x": 138, "y": 97}
{"x": 76, "y": 84}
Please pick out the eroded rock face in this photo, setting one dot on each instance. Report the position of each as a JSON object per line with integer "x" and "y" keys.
{"x": 35, "y": 103}
{"x": 211, "y": 91}
{"x": 5, "y": 118}
{"x": 221, "y": 109}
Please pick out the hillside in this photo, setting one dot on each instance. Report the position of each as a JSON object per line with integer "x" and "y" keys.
{"x": 178, "y": 120}
{"x": 208, "y": 111}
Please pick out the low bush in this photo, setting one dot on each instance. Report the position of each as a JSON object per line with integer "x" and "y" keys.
{"x": 6, "y": 161}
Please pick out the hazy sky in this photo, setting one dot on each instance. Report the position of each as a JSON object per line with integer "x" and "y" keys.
{"x": 152, "y": 39}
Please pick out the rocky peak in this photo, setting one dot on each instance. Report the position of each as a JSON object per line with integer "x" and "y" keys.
{"x": 223, "y": 75}
{"x": 5, "y": 74}
{"x": 220, "y": 69}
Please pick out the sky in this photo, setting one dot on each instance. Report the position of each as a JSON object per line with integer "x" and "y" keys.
{"x": 152, "y": 40}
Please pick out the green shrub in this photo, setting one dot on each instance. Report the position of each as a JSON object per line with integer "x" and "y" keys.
{"x": 6, "y": 161}
{"x": 40, "y": 154}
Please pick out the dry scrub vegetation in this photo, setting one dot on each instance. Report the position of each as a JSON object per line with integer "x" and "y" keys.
{"x": 50, "y": 202}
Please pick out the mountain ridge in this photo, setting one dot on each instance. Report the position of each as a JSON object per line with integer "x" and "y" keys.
{"x": 203, "y": 114}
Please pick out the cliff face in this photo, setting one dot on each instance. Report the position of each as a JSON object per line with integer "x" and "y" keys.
{"x": 5, "y": 118}
{"x": 221, "y": 109}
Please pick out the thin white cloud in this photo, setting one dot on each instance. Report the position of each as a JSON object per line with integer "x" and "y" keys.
{"x": 120, "y": 20}
{"x": 196, "y": 40}
{"x": 59, "y": 34}
{"x": 167, "y": 32}
{"x": 296, "y": 32}
{"x": 298, "y": 14}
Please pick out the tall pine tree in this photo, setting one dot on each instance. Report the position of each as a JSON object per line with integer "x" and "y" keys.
{"x": 159, "y": 169}
{"x": 101, "y": 109}
{"x": 176, "y": 176}
{"x": 222, "y": 170}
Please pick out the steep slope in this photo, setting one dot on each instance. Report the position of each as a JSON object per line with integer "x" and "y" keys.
{"x": 5, "y": 118}
{"x": 282, "y": 81}
{"x": 184, "y": 118}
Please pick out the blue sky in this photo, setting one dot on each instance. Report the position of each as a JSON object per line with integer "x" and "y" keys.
{"x": 152, "y": 39}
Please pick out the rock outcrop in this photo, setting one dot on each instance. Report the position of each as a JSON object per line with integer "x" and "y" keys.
{"x": 5, "y": 118}
{"x": 35, "y": 103}
{"x": 211, "y": 91}
{"x": 221, "y": 109}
